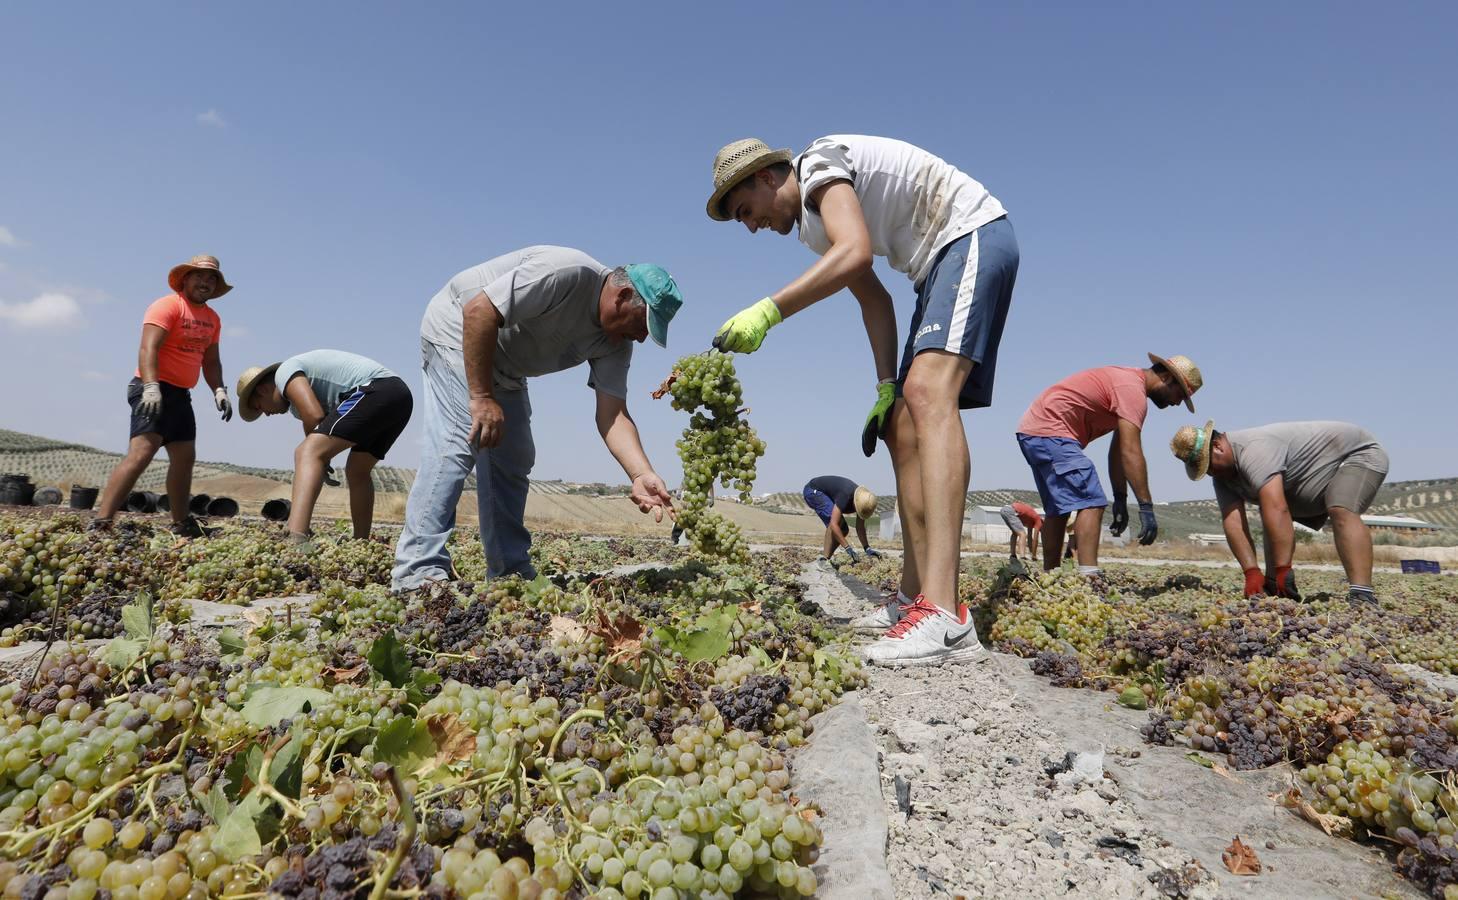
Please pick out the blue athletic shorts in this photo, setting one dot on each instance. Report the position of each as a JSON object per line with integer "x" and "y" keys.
{"x": 1066, "y": 478}
{"x": 821, "y": 503}
{"x": 962, "y": 304}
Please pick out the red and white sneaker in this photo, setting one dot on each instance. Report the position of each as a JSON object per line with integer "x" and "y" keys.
{"x": 884, "y": 616}
{"x": 926, "y": 635}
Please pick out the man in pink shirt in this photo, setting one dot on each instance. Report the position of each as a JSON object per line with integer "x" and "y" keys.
{"x": 1074, "y": 413}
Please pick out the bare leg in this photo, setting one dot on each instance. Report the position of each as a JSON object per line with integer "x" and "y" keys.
{"x": 1012, "y": 545}
{"x": 1054, "y": 527}
{"x": 361, "y": 491}
{"x": 1086, "y": 527}
{"x": 1353, "y": 544}
{"x": 932, "y": 385}
{"x": 180, "y": 458}
{"x": 123, "y": 478}
{"x": 310, "y": 458}
{"x": 901, "y": 440}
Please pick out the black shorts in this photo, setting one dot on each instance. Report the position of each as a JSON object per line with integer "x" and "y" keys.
{"x": 174, "y": 423}
{"x": 372, "y": 416}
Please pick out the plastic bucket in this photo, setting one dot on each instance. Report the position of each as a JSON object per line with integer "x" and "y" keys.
{"x": 198, "y": 505}
{"x": 141, "y": 502}
{"x": 16, "y": 490}
{"x": 83, "y": 497}
{"x": 223, "y": 507}
{"x": 47, "y": 496}
{"x": 164, "y": 503}
{"x": 277, "y": 510}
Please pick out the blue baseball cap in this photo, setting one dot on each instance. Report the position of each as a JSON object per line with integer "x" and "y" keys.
{"x": 661, "y": 293}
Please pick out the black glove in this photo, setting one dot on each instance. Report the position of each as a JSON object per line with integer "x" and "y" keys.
{"x": 1121, "y": 515}
{"x": 329, "y": 478}
{"x": 1148, "y": 527}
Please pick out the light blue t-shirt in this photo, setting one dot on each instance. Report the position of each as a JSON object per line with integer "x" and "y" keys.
{"x": 333, "y": 374}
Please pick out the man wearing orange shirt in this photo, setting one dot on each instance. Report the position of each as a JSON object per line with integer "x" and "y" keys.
{"x": 1024, "y": 522}
{"x": 179, "y": 339}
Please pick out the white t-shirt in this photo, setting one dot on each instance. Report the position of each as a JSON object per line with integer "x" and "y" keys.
{"x": 914, "y": 203}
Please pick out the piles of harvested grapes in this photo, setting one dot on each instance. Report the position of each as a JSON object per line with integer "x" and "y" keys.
{"x": 608, "y": 736}
{"x": 1315, "y": 684}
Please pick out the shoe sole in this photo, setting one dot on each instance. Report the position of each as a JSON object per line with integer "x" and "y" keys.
{"x": 955, "y": 657}
{"x": 871, "y": 629}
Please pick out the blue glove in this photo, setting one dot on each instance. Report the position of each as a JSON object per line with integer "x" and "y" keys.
{"x": 873, "y": 553}
{"x": 1148, "y": 527}
{"x": 1121, "y": 515}
{"x": 851, "y": 553}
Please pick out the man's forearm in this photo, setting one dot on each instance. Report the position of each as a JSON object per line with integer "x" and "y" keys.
{"x": 213, "y": 374}
{"x": 831, "y": 273}
{"x": 479, "y": 328}
{"x": 1281, "y": 534}
{"x": 1237, "y": 535}
{"x": 1132, "y": 455}
{"x": 1118, "y": 482}
{"x": 861, "y": 533}
{"x": 878, "y": 313}
{"x": 620, "y": 434}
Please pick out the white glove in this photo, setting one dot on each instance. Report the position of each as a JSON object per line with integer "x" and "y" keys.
{"x": 150, "y": 406}
{"x": 224, "y": 405}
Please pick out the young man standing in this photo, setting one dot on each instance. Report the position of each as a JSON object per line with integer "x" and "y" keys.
{"x": 345, "y": 402}
{"x": 854, "y": 197}
{"x": 1025, "y": 523}
{"x": 1074, "y": 413}
{"x": 179, "y": 339}
{"x": 530, "y": 312}
{"x": 830, "y": 497}
{"x": 1306, "y": 472}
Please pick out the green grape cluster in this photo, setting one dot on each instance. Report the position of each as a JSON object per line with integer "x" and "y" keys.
{"x": 717, "y": 447}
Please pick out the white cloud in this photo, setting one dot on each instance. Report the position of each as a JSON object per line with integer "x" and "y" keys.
{"x": 212, "y": 119}
{"x": 51, "y": 310}
{"x": 8, "y": 238}
{"x": 235, "y": 331}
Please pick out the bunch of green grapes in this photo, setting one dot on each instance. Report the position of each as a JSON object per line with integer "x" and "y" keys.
{"x": 236, "y": 567}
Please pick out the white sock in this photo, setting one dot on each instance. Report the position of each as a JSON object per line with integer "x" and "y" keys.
{"x": 1090, "y": 570}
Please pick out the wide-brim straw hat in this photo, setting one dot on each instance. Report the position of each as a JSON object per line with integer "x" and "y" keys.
{"x": 1191, "y": 446}
{"x": 736, "y": 162}
{"x": 1187, "y": 372}
{"x": 201, "y": 261}
{"x": 865, "y": 502}
{"x": 247, "y": 383}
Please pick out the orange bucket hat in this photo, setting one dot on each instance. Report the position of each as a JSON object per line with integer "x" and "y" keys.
{"x": 200, "y": 262}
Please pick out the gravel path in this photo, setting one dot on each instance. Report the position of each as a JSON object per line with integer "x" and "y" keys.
{"x": 977, "y": 749}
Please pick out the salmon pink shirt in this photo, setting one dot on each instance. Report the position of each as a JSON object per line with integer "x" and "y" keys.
{"x": 1087, "y": 405}
{"x": 191, "y": 329}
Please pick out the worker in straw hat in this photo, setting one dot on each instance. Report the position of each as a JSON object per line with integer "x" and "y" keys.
{"x": 1307, "y": 472}
{"x": 530, "y": 312}
{"x": 345, "y": 402}
{"x": 179, "y": 339}
{"x": 833, "y": 498}
{"x": 854, "y": 197}
{"x": 1074, "y": 413}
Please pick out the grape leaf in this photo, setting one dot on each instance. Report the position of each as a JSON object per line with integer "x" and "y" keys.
{"x": 286, "y": 771}
{"x": 421, "y": 682}
{"x": 1240, "y": 859}
{"x": 454, "y": 741}
{"x": 230, "y": 642}
{"x": 237, "y": 835}
{"x": 404, "y": 743}
{"x": 762, "y": 659}
{"x": 390, "y": 660}
{"x": 267, "y": 705}
{"x": 137, "y": 618}
{"x": 121, "y": 653}
{"x": 215, "y": 804}
{"x": 827, "y": 662}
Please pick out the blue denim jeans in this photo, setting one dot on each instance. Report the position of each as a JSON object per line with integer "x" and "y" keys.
{"x": 446, "y": 459}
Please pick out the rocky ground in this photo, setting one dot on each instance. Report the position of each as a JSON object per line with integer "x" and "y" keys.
{"x": 995, "y": 784}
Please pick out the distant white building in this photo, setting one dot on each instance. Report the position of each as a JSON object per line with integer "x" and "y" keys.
{"x": 984, "y": 525}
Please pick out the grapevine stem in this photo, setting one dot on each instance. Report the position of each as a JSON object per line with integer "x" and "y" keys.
{"x": 584, "y": 713}
{"x": 407, "y": 813}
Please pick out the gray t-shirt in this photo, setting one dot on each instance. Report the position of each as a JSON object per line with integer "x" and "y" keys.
{"x": 548, "y": 300}
{"x": 332, "y": 374}
{"x": 1306, "y": 455}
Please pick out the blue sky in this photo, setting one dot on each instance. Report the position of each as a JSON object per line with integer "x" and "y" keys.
{"x": 1267, "y": 188}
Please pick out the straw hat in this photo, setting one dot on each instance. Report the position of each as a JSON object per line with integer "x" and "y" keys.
{"x": 250, "y": 379}
{"x": 736, "y": 162}
{"x": 865, "y": 502}
{"x": 1191, "y": 446}
{"x": 201, "y": 261}
{"x": 1187, "y": 372}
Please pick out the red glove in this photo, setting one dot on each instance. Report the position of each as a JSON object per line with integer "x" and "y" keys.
{"x": 1286, "y": 583}
{"x": 1254, "y": 582}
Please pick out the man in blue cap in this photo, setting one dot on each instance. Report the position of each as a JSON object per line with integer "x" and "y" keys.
{"x": 531, "y": 312}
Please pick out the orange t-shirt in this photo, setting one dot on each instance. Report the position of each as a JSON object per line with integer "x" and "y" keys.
{"x": 191, "y": 329}
{"x": 1028, "y": 515}
{"x": 1088, "y": 405}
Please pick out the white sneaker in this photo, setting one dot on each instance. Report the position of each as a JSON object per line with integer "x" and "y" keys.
{"x": 928, "y": 636}
{"x": 883, "y": 618}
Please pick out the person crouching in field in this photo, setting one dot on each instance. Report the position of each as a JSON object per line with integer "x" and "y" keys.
{"x": 345, "y": 402}
{"x": 1025, "y": 523}
{"x": 831, "y": 497}
{"x": 1306, "y": 472}
{"x": 179, "y": 338}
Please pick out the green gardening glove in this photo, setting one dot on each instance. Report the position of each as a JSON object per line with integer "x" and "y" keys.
{"x": 876, "y": 421}
{"x": 745, "y": 331}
